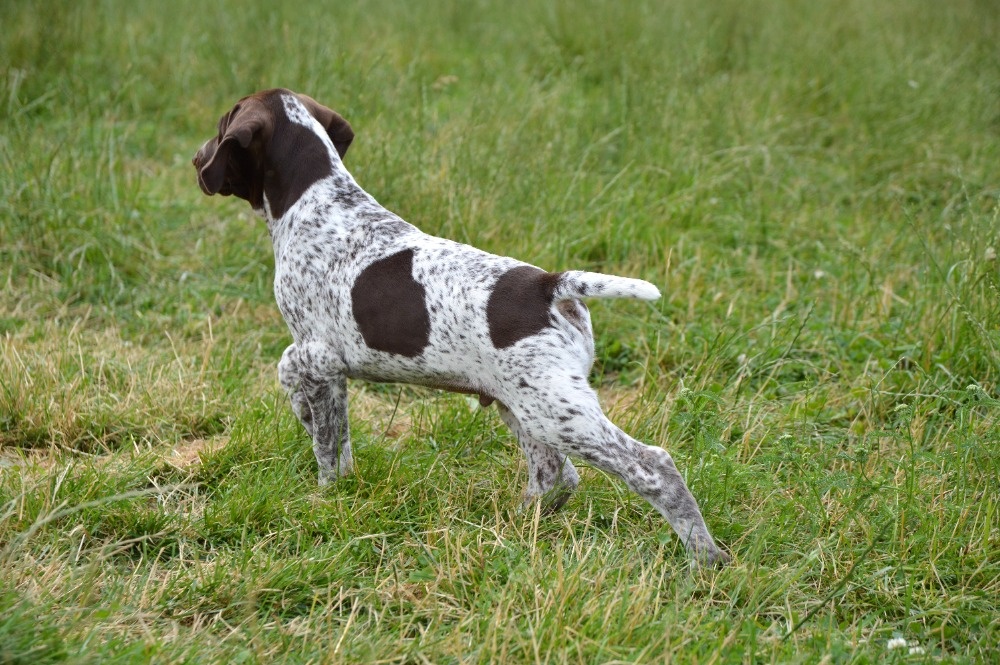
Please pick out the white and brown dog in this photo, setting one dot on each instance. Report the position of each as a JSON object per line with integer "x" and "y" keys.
{"x": 369, "y": 296}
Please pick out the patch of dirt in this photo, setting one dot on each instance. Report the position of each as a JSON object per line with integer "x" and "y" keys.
{"x": 186, "y": 454}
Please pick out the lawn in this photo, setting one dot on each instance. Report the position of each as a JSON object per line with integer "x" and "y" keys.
{"x": 815, "y": 187}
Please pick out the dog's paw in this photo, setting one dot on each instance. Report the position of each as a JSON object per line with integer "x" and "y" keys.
{"x": 550, "y": 501}
{"x": 712, "y": 558}
{"x": 329, "y": 475}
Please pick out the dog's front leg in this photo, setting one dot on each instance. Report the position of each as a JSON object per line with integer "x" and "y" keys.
{"x": 317, "y": 388}
{"x": 331, "y": 432}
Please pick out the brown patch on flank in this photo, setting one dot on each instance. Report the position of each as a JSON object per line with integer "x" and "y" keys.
{"x": 390, "y": 308}
{"x": 520, "y": 304}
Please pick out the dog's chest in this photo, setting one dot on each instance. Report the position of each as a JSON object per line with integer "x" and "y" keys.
{"x": 315, "y": 263}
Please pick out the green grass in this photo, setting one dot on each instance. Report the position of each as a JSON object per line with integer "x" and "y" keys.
{"x": 813, "y": 185}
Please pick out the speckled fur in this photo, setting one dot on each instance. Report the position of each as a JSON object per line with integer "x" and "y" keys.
{"x": 323, "y": 242}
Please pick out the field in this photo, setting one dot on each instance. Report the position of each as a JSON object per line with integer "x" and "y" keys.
{"x": 814, "y": 186}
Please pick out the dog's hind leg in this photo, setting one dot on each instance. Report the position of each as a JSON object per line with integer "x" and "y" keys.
{"x": 313, "y": 377}
{"x": 551, "y": 475}
{"x": 566, "y": 417}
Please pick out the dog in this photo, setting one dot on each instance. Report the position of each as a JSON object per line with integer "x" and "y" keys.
{"x": 368, "y": 296}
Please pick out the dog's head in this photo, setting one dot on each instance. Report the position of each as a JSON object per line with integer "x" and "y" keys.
{"x": 271, "y": 146}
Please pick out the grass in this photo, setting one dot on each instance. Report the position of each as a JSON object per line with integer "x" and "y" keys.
{"x": 814, "y": 187}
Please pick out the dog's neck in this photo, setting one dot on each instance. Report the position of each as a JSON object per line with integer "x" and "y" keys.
{"x": 301, "y": 155}
{"x": 284, "y": 196}
{"x": 321, "y": 192}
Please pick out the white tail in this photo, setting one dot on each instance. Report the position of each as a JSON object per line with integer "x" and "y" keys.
{"x": 580, "y": 284}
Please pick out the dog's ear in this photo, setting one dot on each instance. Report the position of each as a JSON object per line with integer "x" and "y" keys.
{"x": 248, "y": 120}
{"x": 337, "y": 128}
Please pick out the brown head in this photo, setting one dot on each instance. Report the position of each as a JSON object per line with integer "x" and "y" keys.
{"x": 269, "y": 146}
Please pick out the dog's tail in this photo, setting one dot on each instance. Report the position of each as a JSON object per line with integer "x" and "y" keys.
{"x": 580, "y": 284}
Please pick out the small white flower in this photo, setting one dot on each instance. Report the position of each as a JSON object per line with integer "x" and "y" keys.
{"x": 896, "y": 643}
{"x": 917, "y": 651}
{"x": 990, "y": 254}
{"x": 819, "y": 274}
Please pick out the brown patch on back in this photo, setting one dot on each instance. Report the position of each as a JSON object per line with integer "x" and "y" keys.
{"x": 520, "y": 304}
{"x": 389, "y": 306}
